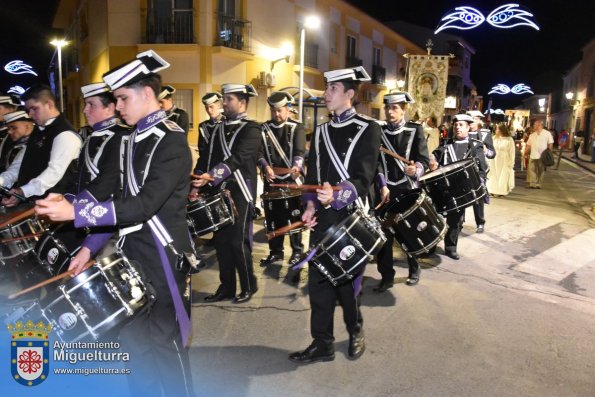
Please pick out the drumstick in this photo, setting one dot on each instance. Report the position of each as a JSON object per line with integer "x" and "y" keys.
{"x": 282, "y": 171}
{"x": 283, "y": 230}
{"x": 303, "y": 187}
{"x": 206, "y": 178}
{"x": 23, "y": 215}
{"x": 397, "y": 156}
{"x": 50, "y": 280}
{"x": 8, "y": 240}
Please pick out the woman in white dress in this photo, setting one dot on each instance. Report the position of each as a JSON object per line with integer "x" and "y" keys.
{"x": 501, "y": 174}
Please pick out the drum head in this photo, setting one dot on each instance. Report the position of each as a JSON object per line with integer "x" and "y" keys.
{"x": 402, "y": 203}
{"x": 446, "y": 169}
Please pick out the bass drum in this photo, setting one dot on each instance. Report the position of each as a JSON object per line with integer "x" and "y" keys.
{"x": 414, "y": 222}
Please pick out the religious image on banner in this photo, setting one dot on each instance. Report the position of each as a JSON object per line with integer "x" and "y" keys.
{"x": 428, "y": 78}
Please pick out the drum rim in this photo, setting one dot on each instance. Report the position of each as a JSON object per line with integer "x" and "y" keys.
{"x": 419, "y": 200}
{"x": 460, "y": 164}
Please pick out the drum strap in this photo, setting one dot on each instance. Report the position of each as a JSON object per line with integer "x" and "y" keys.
{"x": 205, "y": 134}
{"x": 406, "y": 178}
{"x": 339, "y": 165}
{"x": 226, "y": 154}
{"x": 279, "y": 149}
{"x": 162, "y": 236}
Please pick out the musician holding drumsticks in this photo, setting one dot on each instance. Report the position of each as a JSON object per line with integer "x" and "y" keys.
{"x": 229, "y": 161}
{"x": 462, "y": 147}
{"x": 283, "y": 146}
{"x": 344, "y": 153}
{"x": 151, "y": 214}
{"x": 398, "y": 176}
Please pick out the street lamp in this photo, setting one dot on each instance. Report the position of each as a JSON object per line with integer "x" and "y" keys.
{"x": 311, "y": 22}
{"x": 59, "y": 43}
{"x": 569, "y": 95}
{"x": 400, "y": 84}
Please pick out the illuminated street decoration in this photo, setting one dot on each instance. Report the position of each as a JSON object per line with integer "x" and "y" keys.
{"x": 509, "y": 16}
{"x": 468, "y": 16}
{"x": 504, "y": 17}
{"x": 496, "y": 111}
{"x": 18, "y": 67}
{"x": 16, "y": 89}
{"x": 518, "y": 89}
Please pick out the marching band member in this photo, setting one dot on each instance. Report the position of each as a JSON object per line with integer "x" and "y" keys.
{"x": 52, "y": 150}
{"x": 8, "y": 104}
{"x": 284, "y": 145}
{"x": 462, "y": 147}
{"x": 151, "y": 211}
{"x": 19, "y": 127}
{"x": 213, "y": 103}
{"x": 344, "y": 153}
{"x": 396, "y": 178}
{"x": 174, "y": 113}
{"x": 485, "y": 136}
{"x": 230, "y": 161}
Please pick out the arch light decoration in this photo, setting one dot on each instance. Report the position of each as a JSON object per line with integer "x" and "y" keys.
{"x": 19, "y": 67}
{"x": 16, "y": 89}
{"x": 518, "y": 89}
{"x": 504, "y": 17}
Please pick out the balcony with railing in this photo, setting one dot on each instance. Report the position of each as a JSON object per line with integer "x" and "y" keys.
{"x": 175, "y": 27}
{"x": 234, "y": 33}
{"x": 378, "y": 74}
{"x": 351, "y": 62}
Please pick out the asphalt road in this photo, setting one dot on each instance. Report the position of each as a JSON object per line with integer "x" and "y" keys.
{"x": 514, "y": 317}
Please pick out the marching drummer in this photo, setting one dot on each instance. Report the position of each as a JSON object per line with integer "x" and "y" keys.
{"x": 460, "y": 148}
{"x": 283, "y": 147}
{"x": 396, "y": 177}
{"x": 485, "y": 136}
{"x": 344, "y": 153}
{"x": 229, "y": 161}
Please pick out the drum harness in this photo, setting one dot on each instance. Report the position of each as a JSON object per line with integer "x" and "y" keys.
{"x": 91, "y": 163}
{"x": 278, "y": 148}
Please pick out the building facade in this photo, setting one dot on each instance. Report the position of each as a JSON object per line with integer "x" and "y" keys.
{"x": 212, "y": 42}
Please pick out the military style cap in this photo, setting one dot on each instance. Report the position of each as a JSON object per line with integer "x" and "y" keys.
{"x": 14, "y": 100}
{"x": 145, "y": 64}
{"x": 211, "y": 97}
{"x": 93, "y": 89}
{"x": 247, "y": 89}
{"x": 463, "y": 117}
{"x": 278, "y": 99}
{"x": 357, "y": 73}
{"x": 166, "y": 91}
{"x": 398, "y": 97}
{"x": 20, "y": 115}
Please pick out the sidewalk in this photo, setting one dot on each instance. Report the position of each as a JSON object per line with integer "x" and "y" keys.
{"x": 583, "y": 161}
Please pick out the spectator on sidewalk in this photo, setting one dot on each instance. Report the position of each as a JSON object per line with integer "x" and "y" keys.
{"x": 539, "y": 140}
{"x": 579, "y": 138}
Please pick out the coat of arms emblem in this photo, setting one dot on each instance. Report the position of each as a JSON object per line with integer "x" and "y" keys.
{"x": 29, "y": 352}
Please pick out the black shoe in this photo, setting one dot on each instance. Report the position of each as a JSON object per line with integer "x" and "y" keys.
{"x": 480, "y": 229}
{"x": 216, "y": 297}
{"x": 357, "y": 345}
{"x": 453, "y": 255}
{"x": 271, "y": 259}
{"x": 242, "y": 297}
{"x": 413, "y": 279}
{"x": 312, "y": 354}
{"x": 295, "y": 258}
{"x": 383, "y": 286}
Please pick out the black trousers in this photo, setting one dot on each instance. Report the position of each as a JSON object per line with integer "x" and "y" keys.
{"x": 233, "y": 244}
{"x": 454, "y": 220}
{"x": 323, "y": 297}
{"x": 295, "y": 239}
{"x": 478, "y": 208}
{"x": 158, "y": 360}
{"x": 384, "y": 260}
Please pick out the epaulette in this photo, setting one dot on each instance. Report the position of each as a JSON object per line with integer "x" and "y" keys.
{"x": 365, "y": 117}
{"x": 414, "y": 122}
{"x": 172, "y": 125}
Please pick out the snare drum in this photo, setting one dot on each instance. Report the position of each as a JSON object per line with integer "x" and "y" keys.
{"x": 282, "y": 208}
{"x": 19, "y": 237}
{"x": 209, "y": 213}
{"x": 49, "y": 258}
{"x": 346, "y": 247}
{"x": 414, "y": 222}
{"x": 96, "y": 301}
{"x": 454, "y": 186}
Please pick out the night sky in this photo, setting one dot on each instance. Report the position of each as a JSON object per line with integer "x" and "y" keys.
{"x": 537, "y": 58}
